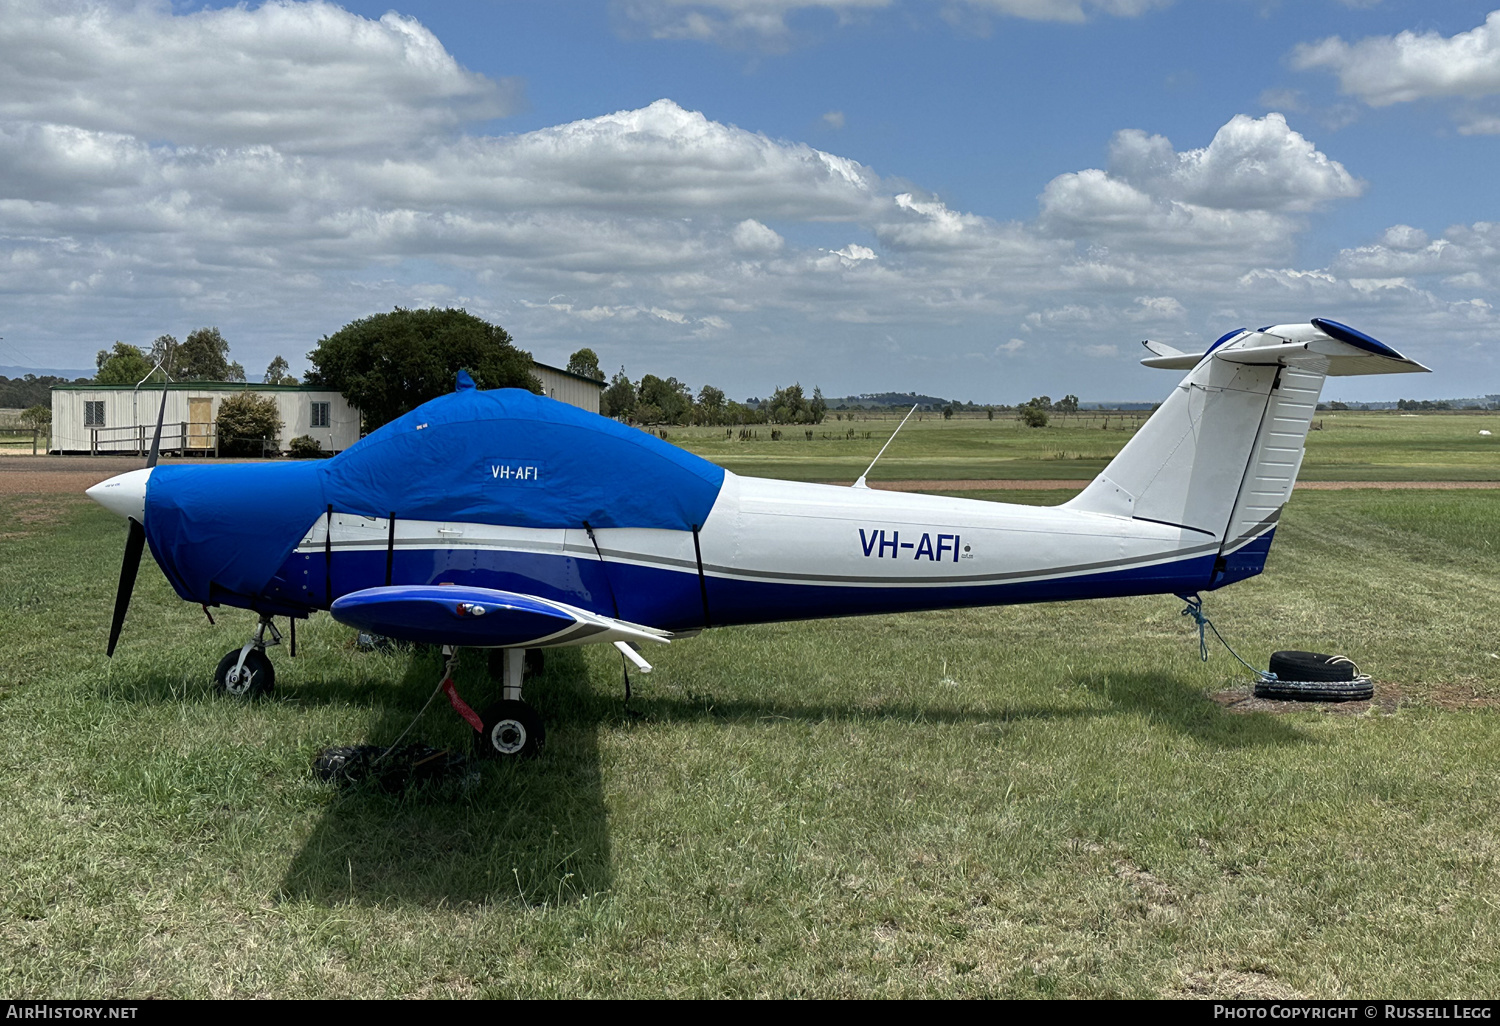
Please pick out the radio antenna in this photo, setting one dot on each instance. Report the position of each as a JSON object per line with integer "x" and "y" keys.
{"x": 861, "y": 482}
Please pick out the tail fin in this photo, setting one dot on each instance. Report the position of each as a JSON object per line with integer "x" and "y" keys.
{"x": 1220, "y": 456}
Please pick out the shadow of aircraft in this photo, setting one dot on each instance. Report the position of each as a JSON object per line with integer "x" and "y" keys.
{"x": 536, "y": 832}
{"x": 520, "y": 833}
{"x": 1174, "y": 703}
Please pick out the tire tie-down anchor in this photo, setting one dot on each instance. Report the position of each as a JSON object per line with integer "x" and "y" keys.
{"x": 1294, "y": 676}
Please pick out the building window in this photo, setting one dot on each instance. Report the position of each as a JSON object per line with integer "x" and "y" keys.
{"x": 320, "y": 414}
{"x": 93, "y": 413}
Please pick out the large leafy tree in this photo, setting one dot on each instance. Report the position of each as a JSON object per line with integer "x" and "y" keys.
{"x": 710, "y": 407}
{"x": 122, "y": 365}
{"x": 391, "y": 363}
{"x": 586, "y": 362}
{"x": 669, "y": 400}
{"x": 279, "y": 373}
{"x": 204, "y": 356}
{"x": 790, "y": 406}
{"x": 164, "y": 352}
{"x": 619, "y": 398}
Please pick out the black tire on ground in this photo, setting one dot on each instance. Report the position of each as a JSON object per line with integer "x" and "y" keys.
{"x": 512, "y": 730}
{"x": 1306, "y": 666}
{"x": 256, "y": 677}
{"x": 1360, "y": 690}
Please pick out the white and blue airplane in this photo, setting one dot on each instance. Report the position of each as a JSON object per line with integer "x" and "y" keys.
{"x": 505, "y": 520}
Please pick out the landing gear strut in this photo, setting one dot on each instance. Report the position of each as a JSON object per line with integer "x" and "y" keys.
{"x": 246, "y": 672}
{"x": 512, "y": 729}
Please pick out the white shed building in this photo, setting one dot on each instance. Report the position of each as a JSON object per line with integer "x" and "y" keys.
{"x": 122, "y": 418}
{"x": 89, "y": 418}
{"x": 567, "y": 387}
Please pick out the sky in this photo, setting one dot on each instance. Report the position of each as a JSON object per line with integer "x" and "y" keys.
{"x": 985, "y": 200}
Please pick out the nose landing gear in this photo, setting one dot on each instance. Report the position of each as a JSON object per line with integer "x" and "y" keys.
{"x": 246, "y": 672}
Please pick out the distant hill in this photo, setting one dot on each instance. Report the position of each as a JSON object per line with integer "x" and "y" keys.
{"x": 72, "y": 374}
{"x": 885, "y": 400}
{"x": 30, "y": 390}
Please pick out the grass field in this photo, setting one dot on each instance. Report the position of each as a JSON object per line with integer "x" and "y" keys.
{"x": 1342, "y": 447}
{"x": 1049, "y": 800}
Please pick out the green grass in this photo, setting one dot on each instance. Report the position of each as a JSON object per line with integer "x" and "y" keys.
{"x": 1025, "y": 801}
{"x": 1342, "y": 447}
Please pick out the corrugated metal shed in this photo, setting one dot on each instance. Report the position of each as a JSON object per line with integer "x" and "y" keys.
{"x": 567, "y": 387}
{"x": 122, "y": 418}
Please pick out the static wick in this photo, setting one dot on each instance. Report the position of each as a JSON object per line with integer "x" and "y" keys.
{"x": 861, "y": 482}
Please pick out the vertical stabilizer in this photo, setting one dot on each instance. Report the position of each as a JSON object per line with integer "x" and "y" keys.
{"x": 1186, "y": 464}
{"x": 1221, "y": 455}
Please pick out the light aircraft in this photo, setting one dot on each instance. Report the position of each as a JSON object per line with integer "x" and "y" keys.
{"x": 505, "y": 520}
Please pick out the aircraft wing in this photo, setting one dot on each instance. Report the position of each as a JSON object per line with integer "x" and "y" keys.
{"x": 449, "y": 614}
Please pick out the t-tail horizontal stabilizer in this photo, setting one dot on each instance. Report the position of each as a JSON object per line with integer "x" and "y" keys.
{"x": 462, "y": 615}
{"x": 1324, "y": 346}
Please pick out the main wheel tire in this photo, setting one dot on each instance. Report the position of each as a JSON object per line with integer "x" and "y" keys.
{"x": 257, "y": 677}
{"x": 512, "y": 730}
{"x": 1312, "y": 666}
{"x": 1359, "y": 690}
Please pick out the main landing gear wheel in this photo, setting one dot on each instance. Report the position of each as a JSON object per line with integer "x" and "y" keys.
{"x": 512, "y": 730}
{"x": 256, "y": 677}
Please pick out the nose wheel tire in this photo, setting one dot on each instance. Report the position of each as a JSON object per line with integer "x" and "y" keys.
{"x": 512, "y": 730}
{"x": 256, "y": 677}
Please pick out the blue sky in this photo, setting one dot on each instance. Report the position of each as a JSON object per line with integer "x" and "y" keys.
{"x": 986, "y": 199}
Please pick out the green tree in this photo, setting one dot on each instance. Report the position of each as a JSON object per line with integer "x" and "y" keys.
{"x": 249, "y": 425}
{"x": 1067, "y": 404}
{"x": 390, "y": 363}
{"x": 619, "y": 398}
{"x": 204, "y": 356}
{"x": 1033, "y": 412}
{"x": 278, "y": 373}
{"x": 586, "y": 362}
{"x": 790, "y": 406}
{"x": 709, "y": 407}
{"x": 123, "y": 365}
{"x": 164, "y": 353}
{"x": 38, "y": 417}
{"x": 670, "y": 396}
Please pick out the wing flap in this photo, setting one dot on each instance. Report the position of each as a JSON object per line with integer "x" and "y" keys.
{"x": 467, "y": 616}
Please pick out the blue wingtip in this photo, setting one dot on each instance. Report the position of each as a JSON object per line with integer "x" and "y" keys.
{"x": 464, "y": 382}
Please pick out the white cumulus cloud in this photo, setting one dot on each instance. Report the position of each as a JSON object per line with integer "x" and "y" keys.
{"x": 1382, "y": 70}
{"x": 660, "y": 235}
{"x": 304, "y": 77}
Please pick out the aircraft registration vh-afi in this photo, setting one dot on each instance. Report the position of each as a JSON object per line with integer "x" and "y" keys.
{"x": 505, "y": 520}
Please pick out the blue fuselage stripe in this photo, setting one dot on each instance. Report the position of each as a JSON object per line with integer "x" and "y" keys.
{"x": 671, "y": 599}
